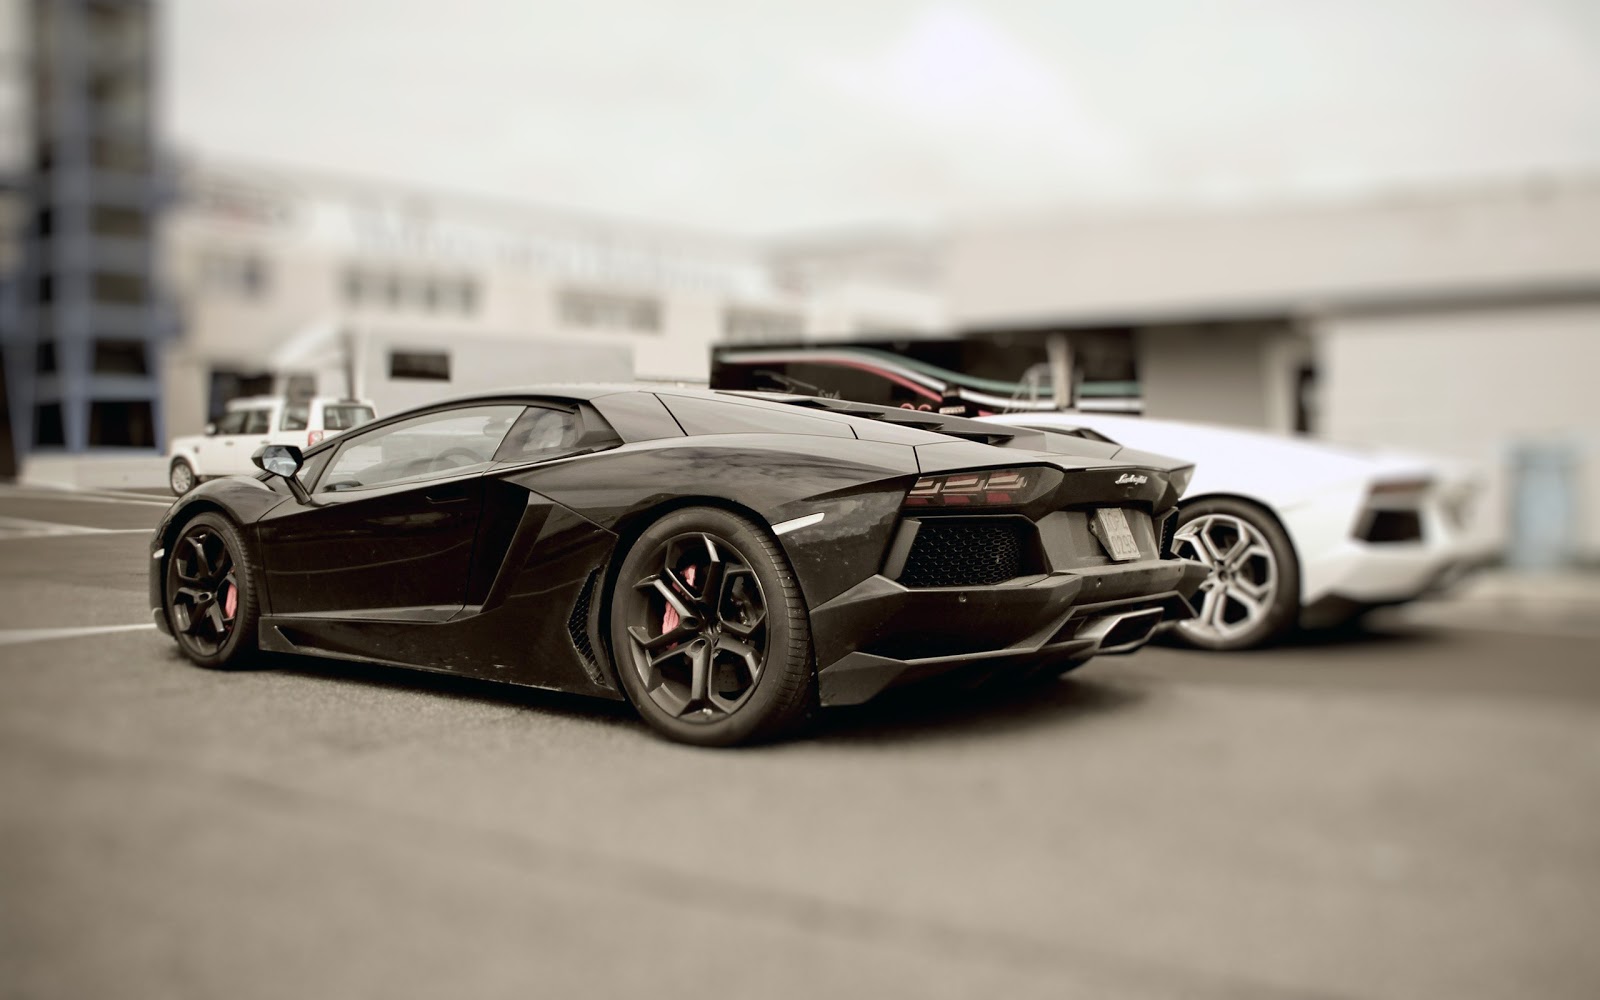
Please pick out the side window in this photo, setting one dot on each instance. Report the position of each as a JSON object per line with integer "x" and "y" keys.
{"x": 296, "y": 417}
{"x": 540, "y": 433}
{"x": 232, "y": 422}
{"x": 257, "y": 421}
{"x": 343, "y": 417}
{"x": 447, "y": 443}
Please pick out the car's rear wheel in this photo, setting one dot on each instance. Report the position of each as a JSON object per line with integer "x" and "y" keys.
{"x": 212, "y": 602}
{"x": 1252, "y": 596}
{"x": 180, "y": 477}
{"x": 709, "y": 630}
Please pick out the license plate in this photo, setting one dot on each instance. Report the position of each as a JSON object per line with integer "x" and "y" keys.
{"x": 1111, "y": 526}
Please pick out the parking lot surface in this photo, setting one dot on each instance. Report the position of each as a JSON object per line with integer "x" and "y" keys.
{"x": 1407, "y": 811}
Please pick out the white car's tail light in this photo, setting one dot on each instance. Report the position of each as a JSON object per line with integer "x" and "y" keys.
{"x": 314, "y": 437}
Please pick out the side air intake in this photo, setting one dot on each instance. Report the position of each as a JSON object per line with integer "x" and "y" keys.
{"x": 578, "y": 630}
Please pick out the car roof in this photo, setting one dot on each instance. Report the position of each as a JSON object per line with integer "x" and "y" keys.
{"x": 581, "y": 392}
{"x": 248, "y": 401}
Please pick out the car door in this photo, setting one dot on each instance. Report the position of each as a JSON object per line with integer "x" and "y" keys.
{"x": 392, "y": 517}
{"x": 237, "y": 441}
{"x": 211, "y": 452}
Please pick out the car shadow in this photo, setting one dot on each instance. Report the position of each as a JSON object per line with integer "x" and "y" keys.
{"x": 449, "y": 686}
{"x": 920, "y": 712}
{"x": 1378, "y": 630}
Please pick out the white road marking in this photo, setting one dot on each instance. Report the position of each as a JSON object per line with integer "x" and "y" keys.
{"x": 15, "y": 636}
{"x": 83, "y": 496}
{"x": 21, "y": 527}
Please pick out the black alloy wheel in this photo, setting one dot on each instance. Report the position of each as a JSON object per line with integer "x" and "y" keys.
{"x": 210, "y": 592}
{"x": 710, "y": 633}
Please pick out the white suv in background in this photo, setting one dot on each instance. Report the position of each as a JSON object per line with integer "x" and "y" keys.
{"x": 225, "y": 448}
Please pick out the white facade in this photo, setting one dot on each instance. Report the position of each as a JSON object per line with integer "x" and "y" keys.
{"x": 1460, "y": 323}
{"x": 348, "y": 284}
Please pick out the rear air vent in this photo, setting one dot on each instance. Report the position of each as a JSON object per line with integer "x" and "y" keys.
{"x": 1393, "y": 526}
{"x": 1169, "y": 527}
{"x": 578, "y": 630}
{"x": 964, "y": 553}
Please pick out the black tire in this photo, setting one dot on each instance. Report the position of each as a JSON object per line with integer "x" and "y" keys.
{"x": 740, "y": 668}
{"x": 1250, "y": 601}
{"x": 206, "y": 560}
{"x": 180, "y": 477}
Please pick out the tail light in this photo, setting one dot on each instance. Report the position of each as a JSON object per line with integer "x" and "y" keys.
{"x": 1390, "y": 491}
{"x": 990, "y": 487}
{"x": 314, "y": 437}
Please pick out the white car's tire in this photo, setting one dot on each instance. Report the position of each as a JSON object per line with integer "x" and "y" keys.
{"x": 1252, "y": 596}
{"x": 180, "y": 477}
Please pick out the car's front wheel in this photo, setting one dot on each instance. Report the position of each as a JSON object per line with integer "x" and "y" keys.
{"x": 1252, "y": 596}
{"x": 181, "y": 477}
{"x": 709, "y": 631}
{"x": 212, "y": 603}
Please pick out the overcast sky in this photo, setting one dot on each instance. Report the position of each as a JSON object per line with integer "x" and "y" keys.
{"x": 769, "y": 118}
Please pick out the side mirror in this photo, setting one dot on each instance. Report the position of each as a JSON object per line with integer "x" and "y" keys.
{"x": 211, "y": 430}
{"x": 283, "y": 461}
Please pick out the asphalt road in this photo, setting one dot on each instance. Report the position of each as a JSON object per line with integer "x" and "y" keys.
{"x": 1399, "y": 813}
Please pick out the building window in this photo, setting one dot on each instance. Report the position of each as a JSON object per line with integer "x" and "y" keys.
{"x": 430, "y": 366}
{"x": 121, "y": 424}
{"x": 47, "y": 429}
{"x": 227, "y": 386}
{"x": 240, "y": 275}
{"x": 127, "y": 223}
{"x": 45, "y": 357}
{"x": 426, "y": 293}
{"x": 120, "y": 289}
{"x": 590, "y": 308}
{"x": 120, "y": 357}
{"x": 742, "y": 324}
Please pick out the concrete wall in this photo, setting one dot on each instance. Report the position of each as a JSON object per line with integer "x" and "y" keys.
{"x": 479, "y": 363}
{"x": 1144, "y": 263}
{"x": 1222, "y": 374}
{"x": 1472, "y": 385}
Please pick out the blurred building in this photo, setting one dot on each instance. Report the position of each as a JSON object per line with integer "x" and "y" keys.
{"x": 81, "y": 353}
{"x": 15, "y": 135}
{"x": 1461, "y": 322}
{"x": 300, "y": 283}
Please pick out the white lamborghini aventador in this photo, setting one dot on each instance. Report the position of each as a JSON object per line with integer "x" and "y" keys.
{"x": 1297, "y": 532}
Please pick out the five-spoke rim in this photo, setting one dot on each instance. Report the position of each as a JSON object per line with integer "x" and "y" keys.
{"x": 1244, "y": 574}
{"x": 202, "y": 590}
{"x": 698, "y": 627}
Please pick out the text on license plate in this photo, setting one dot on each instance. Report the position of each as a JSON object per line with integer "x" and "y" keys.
{"x": 1111, "y": 525}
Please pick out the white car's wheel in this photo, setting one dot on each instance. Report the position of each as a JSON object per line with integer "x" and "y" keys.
{"x": 1253, "y": 593}
{"x": 181, "y": 477}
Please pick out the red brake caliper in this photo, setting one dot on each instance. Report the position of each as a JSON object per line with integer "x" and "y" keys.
{"x": 669, "y": 618}
{"x": 230, "y": 604}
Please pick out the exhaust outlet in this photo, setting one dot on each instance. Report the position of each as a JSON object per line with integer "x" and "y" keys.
{"x": 1122, "y": 633}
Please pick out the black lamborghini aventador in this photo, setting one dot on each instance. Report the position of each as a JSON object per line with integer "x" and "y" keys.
{"x": 723, "y": 561}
